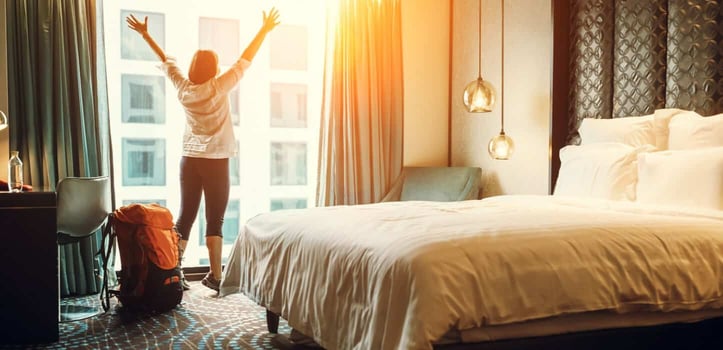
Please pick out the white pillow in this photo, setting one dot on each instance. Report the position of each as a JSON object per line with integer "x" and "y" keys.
{"x": 684, "y": 177}
{"x": 661, "y": 126}
{"x": 690, "y": 130}
{"x": 600, "y": 170}
{"x": 633, "y": 131}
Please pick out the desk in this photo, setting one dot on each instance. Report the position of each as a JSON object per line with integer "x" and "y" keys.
{"x": 29, "y": 293}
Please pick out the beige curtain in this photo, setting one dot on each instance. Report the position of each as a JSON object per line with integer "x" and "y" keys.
{"x": 360, "y": 145}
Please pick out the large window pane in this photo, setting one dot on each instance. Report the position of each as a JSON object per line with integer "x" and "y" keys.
{"x": 221, "y": 36}
{"x": 289, "y": 46}
{"x": 287, "y": 203}
{"x": 288, "y": 163}
{"x": 143, "y": 99}
{"x": 144, "y": 162}
{"x": 133, "y": 47}
{"x": 288, "y": 105}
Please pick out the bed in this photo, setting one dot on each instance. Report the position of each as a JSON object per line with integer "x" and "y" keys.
{"x": 405, "y": 274}
{"x": 543, "y": 271}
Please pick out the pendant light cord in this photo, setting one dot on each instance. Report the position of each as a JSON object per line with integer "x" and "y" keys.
{"x": 502, "y": 64}
{"x": 479, "y": 43}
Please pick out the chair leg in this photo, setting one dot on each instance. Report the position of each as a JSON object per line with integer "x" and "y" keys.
{"x": 272, "y": 322}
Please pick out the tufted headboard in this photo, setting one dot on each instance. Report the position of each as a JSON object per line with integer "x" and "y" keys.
{"x": 620, "y": 58}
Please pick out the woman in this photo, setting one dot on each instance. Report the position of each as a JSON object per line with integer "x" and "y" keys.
{"x": 208, "y": 140}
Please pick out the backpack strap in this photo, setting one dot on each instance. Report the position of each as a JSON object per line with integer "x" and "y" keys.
{"x": 107, "y": 249}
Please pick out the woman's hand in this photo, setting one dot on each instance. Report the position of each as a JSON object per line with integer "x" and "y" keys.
{"x": 270, "y": 21}
{"x": 142, "y": 29}
{"x": 135, "y": 24}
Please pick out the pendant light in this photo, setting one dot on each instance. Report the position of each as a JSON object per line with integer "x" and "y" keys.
{"x": 479, "y": 95}
{"x": 501, "y": 146}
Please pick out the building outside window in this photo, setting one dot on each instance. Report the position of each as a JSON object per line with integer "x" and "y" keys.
{"x": 275, "y": 108}
{"x": 143, "y": 99}
{"x": 288, "y": 163}
{"x": 288, "y": 48}
{"x": 161, "y": 202}
{"x": 133, "y": 47}
{"x": 288, "y": 105}
{"x": 234, "y": 169}
{"x": 287, "y": 203}
{"x": 144, "y": 162}
{"x": 222, "y": 36}
{"x": 233, "y": 101}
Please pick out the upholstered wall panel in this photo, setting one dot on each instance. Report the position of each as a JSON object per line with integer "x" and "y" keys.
{"x": 639, "y": 50}
{"x": 695, "y": 56}
{"x": 591, "y": 55}
{"x": 630, "y": 57}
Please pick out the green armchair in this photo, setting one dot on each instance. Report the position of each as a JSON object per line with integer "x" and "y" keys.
{"x": 441, "y": 184}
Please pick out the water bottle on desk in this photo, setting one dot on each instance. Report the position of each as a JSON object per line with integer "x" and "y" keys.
{"x": 15, "y": 173}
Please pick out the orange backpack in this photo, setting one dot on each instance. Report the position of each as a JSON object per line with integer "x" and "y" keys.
{"x": 150, "y": 278}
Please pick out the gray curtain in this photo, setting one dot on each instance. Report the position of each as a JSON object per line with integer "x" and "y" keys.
{"x": 57, "y": 97}
{"x": 361, "y": 139}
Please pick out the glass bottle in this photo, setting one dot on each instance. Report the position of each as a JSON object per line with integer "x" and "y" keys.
{"x": 15, "y": 173}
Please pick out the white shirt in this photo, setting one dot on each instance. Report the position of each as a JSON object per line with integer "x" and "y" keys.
{"x": 209, "y": 131}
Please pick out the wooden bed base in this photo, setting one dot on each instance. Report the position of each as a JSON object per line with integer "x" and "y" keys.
{"x": 703, "y": 335}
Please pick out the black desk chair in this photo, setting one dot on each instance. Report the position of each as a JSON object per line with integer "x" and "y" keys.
{"x": 83, "y": 206}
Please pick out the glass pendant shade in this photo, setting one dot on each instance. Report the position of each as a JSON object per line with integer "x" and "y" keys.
{"x": 3, "y": 120}
{"x": 501, "y": 146}
{"x": 479, "y": 96}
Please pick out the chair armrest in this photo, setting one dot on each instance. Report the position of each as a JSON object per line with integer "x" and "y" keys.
{"x": 395, "y": 192}
{"x": 472, "y": 187}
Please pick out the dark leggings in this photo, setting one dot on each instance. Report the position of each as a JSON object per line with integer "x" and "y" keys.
{"x": 210, "y": 177}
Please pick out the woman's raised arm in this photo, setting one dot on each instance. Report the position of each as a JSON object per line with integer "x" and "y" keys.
{"x": 142, "y": 29}
{"x": 270, "y": 22}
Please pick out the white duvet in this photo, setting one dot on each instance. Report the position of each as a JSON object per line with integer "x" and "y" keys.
{"x": 401, "y": 274}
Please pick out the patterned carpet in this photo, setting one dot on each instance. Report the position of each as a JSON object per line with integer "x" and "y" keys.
{"x": 202, "y": 321}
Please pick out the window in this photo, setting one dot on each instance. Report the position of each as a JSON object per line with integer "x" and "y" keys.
{"x": 288, "y": 105}
{"x": 161, "y": 202}
{"x": 143, "y": 99}
{"x": 288, "y": 163}
{"x": 133, "y": 47}
{"x": 287, "y": 203}
{"x": 274, "y": 112}
{"x": 289, "y": 47}
{"x": 221, "y": 36}
{"x": 144, "y": 162}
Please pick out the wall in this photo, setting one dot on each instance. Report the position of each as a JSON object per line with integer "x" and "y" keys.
{"x": 528, "y": 62}
{"x": 4, "y": 139}
{"x": 425, "y": 40}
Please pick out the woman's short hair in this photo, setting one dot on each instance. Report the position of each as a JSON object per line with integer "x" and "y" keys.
{"x": 204, "y": 66}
